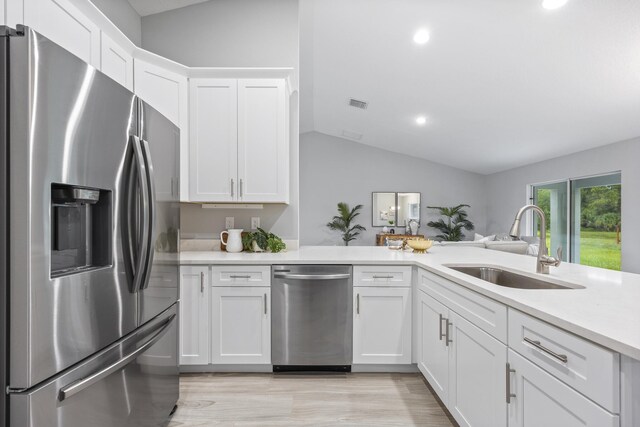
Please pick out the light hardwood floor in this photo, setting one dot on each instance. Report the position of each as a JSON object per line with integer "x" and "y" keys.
{"x": 307, "y": 400}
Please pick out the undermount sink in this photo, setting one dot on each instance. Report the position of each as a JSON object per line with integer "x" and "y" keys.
{"x": 509, "y": 279}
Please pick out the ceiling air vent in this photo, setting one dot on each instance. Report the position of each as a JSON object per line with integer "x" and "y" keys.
{"x": 358, "y": 104}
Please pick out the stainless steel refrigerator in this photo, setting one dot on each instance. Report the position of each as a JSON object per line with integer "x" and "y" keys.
{"x": 89, "y": 220}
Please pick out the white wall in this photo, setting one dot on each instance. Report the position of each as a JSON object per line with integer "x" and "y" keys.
{"x": 336, "y": 170}
{"x": 226, "y": 33}
{"x": 507, "y": 191}
{"x": 234, "y": 33}
{"x": 123, "y": 16}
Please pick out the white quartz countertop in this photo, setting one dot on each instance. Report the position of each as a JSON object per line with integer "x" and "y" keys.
{"x": 606, "y": 311}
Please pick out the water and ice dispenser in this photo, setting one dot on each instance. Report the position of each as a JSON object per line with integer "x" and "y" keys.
{"x": 81, "y": 228}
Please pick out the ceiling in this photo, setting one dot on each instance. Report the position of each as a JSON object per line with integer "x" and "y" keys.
{"x": 501, "y": 83}
{"x": 150, "y": 7}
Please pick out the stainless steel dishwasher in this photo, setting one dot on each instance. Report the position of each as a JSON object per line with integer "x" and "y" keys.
{"x": 311, "y": 317}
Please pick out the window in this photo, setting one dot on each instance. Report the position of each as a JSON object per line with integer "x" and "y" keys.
{"x": 584, "y": 218}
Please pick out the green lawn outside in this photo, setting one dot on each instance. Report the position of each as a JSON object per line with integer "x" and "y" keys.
{"x": 598, "y": 249}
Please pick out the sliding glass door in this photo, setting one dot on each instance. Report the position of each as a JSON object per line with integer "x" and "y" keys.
{"x": 596, "y": 232}
{"x": 583, "y": 218}
{"x": 553, "y": 200}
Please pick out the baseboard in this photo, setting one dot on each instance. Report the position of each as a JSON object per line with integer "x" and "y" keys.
{"x": 225, "y": 368}
{"x": 385, "y": 368}
{"x": 269, "y": 368}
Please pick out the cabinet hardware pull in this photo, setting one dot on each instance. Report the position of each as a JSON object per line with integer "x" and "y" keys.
{"x": 239, "y": 277}
{"x": 447, "y": 340}
{"x": 357, "y": 303}
{"x": 561, "y": 357}
{"x": 265, "y": 303}
{"x": 201, "y": 282}
{"x": 509, "y": 371}
{"x": 441, "y": 319}
{"x": 382, "y": 277}
{"x": 241, "y": 188}
{"x": 232, "y": 187}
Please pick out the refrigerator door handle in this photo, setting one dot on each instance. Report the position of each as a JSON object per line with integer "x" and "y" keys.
{"x": 151, "y": 224}
{"x": 139, "y": 269}
{"x": 77, "y": 386}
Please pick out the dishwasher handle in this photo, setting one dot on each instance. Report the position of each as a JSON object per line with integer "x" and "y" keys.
{"x": 311, "y": 276}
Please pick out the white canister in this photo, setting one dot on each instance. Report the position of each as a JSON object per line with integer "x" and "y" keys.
{"x": 234, "y": 240}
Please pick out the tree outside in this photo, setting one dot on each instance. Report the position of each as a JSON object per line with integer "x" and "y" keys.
{"x": 600, "y": 227}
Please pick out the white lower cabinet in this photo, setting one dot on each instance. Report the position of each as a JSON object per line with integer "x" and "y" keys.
{"x": 382, "y": 325}
{"x": 539, "y": 399}
{"x": 240, "y": 325}
{"x": 433, "y": 353}
{"x": 477, "y": 364}
{"x": 463, "y": 364}
{"x": 195, "y": 284}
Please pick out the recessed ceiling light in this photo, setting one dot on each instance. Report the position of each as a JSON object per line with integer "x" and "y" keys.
{"x": 421, "y": 120}
{"x": 421, "y": 36}
{"x": 553, "y": 4}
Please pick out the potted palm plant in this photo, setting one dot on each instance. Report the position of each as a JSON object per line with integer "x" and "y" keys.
{"x": 455, "y": 220}
{"x": 343, "y": 222}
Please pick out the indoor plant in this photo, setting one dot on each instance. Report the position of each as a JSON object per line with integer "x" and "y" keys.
{"x": 342, "y": 222}
{"x": 454, "y": 221}
{"x": 260, "y": 240}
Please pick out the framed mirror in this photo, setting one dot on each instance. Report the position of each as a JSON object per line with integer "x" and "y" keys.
{"x": 394, "y": 209}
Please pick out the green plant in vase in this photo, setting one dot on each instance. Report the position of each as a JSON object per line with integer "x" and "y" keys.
{"x": 455, "y": 220}
{"x": 344, "y": 220}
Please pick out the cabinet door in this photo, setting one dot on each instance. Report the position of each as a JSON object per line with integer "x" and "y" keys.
{"x": 194, "y": 315}
{"x": 433, "y": 353}
{"x": 167, "y": 92}
{"x": 213, "y": 147}
{"x": 116, "y": 62}
{"x": 477, "y": 364}
{"x": 542, "y": 400}
{"x": 263, "y": 141}
{"x": 241, "y": 325}
{"x": 61, "y": 22}
{"x": 382, "y": 325}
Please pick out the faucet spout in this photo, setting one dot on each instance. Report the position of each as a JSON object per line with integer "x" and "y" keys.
{"x": 544, "y": 260}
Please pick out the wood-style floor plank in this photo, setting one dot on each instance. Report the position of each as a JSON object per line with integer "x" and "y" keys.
{"x": 307, "y": 400}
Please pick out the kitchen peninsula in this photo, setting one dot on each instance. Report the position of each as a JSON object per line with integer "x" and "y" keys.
{"x": 586, "y": 336}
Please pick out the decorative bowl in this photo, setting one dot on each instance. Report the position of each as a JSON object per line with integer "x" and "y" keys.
{"x": 420, "y": 246}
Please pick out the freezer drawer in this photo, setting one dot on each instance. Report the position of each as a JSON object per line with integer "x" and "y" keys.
{"x": 131, "y": 383}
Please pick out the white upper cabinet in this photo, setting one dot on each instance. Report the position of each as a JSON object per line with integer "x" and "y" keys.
{"x": 64, "y": 24}
{"x": 167, "y": 92}
{"x": 213, "y": 122}
{"x": 263, "y": 141}
{"x": 164, "y": 90}
{"x": 239, "y": 146}
{"x": 116, "y": 62}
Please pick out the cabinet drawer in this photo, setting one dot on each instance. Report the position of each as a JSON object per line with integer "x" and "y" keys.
{"x": 365, "y": 275}
{"x": 241, "y": 275}
{"x": 585, "y": 366}
{"x": 485, "y": 313}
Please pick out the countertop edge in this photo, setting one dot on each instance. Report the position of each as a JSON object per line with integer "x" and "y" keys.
{"x": 585, "y": 333}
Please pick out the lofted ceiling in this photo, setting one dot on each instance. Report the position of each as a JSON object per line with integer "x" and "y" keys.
{"x": 500, "y": 83}
{"x": 150, "y": 7}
